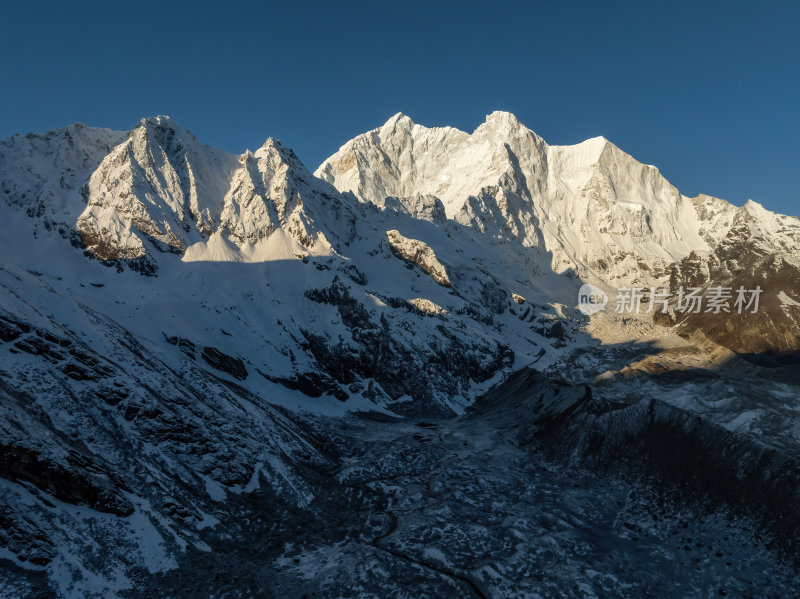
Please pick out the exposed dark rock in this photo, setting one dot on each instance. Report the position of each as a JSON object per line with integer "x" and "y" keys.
{"x": 185, "y": 345}
{"x": 400, "y": 371}
{"x": 24, "y": 539}
{"x": 83, "y": 357}
{"x": 39, "y": 347}
{"x": 110, "y": 395}
{"x": 311, "y": 384}
{"x": 54, "y": 339}
{"x": 552, "y": 329}
{"x": 354, "y": 274}
{"x": 78, "y": 479}
{"x": 740, "y": 260}
{"x": 493, "y": 296}
{"x": 97, "y": 249}
{"x": 225, "y": 363}
{"x": 354, "y": 315}
{"x": 78, "y": 372}
{"x": 11, "y": 329}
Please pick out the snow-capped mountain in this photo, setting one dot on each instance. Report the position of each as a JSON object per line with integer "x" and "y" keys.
{"x": 589, "y": 209}
{"x": 163, "y": 186}
{"x": 184, "y": 333}
{"x": 160, "y": 183}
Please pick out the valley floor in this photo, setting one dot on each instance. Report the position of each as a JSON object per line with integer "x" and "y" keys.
{"x": 468, "y": 508}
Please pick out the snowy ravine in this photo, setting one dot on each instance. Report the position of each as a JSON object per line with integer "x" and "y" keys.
{"x": 223, "y": 375}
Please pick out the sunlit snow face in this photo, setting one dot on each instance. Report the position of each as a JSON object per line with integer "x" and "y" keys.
{"x": 591, "y": 299}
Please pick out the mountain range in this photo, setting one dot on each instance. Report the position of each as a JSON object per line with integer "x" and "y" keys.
{"x": 225, "y": 375}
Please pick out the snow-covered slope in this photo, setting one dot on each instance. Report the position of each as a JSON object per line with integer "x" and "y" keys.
{"x": 44, "y": 176}
{"x": 305, "y": 287}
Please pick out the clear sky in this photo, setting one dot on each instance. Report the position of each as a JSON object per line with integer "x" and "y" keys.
{"x": 707, "y": 91}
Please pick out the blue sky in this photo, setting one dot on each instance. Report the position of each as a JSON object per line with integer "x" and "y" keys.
{"x": 707, "y": 91}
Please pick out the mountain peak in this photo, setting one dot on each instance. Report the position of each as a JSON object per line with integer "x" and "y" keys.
{"x": 161, "y": 120}
{"x": 399, "y": 120}
{"x": 599, "y": 140}
{"x": 165, "y": 131}
{"x": 273, "y": 143}
{"x": 753, "y": 205}
{"x": 281, "y": 154}
{"x": 501, "y": 117}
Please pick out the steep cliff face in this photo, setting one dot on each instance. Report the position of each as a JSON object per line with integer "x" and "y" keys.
{"x": 108, "y": 442}
{"x": 161, "y": 190}
{"x": 260, "y": 198}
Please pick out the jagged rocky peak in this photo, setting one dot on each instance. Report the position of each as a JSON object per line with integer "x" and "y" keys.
{"x": 752, "y": 229}
{"x": 161, "y": 189}
{"x": 309, "y": 209}
{"x": 160, "y": 184}
{"x": 445, "y": 286}
{"x": 500, "y": 120}
{"x": 272, "y": 190}
{"x": 287, "y": 156}
{"x": 589, "y": 208}
{"x": 423, "y": 207}
{"x": 166, "y": 132}
{"x": 264, "y": 192}
{"x": 714, "y": 217}
{"x": 398, "y": 121}
{"x": 751, "y": 248}
{"x": 402, "y": 159}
